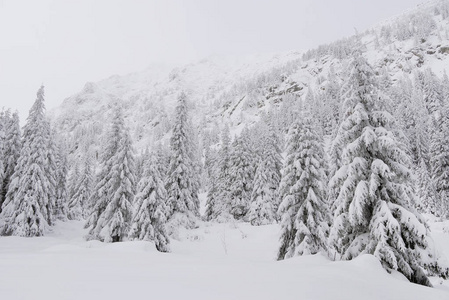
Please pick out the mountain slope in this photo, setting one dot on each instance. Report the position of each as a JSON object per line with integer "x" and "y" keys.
{"x": 238, "y": 90}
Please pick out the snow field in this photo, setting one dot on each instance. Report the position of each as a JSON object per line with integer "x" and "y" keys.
{"x": 214, "y": 262}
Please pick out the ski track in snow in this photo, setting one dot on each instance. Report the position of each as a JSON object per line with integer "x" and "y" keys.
{"x": 215, "y": 261}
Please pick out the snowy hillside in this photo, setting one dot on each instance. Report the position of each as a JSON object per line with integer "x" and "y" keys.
{"x": 236, "y": 90}
{"x": 149, "y": 97}
{"x": 215, "y": 261}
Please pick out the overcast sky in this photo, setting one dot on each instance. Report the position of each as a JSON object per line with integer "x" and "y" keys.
{"x": 63, "y": 43}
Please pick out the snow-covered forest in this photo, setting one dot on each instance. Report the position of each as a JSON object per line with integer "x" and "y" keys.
{"x": 330, "y": 165}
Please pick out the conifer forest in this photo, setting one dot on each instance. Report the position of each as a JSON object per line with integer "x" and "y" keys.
{"x": 319, "y": 174}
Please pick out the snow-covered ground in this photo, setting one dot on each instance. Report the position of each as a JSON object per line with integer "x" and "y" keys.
{"x": 215, "y": 261}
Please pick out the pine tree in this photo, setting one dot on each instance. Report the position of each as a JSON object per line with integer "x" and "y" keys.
{"x": 419, "y": 129}
{"x": 332, "y": 102}
{"x": 401, "y": 95}
{"x": 162, "y": 153}
{"x": 112, "y": 196}
{"x": 51, "y": 169}
{"x": 264, "y": 197}
{"x": 373, "y": 212}
{"x": 219, "y": 197}
{"x": 195, "y": 157}
{"x": 241, "y": 175}
{"x": 444, "y": 127}
{"x": 439, "y": 161}
{"x": 11, "y": 153}
{"x": 440, "y": 165}
{"x": 314, "y": 105}
{"x": 79, "y": 204}
{"x": 427, "y": 195}
{"x": 140, "y": 163}
{"x": 212, "y": 201}
{"x": 304, "y": 208}
{"x": 418, "y": 126}
{"x": 181, "y": 185}
{"x": 61, "y": 197}
{"x": 150, "y": 210}
{"x": 3, "y": 121}
{"x": 28, "y": 208}
{"x": 72, "y": 183}
{"x": 433, "y": 97}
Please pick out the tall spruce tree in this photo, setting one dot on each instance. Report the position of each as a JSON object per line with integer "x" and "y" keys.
{"x": 28, "y": 208}
{"x": 373, "y": 212}
{"x": 112, "y": 196}
{"x": 444, "y": 127}
{"x": 264, "y": 197}
{"x": 72, "y": 182}
{"x": 82, "y": 188}
{"x": 431, "y": 88}
{"x": 3, "y": 121}
{"x": 181, "y": 185}
{"x": 150, "y": 209}
{"x": 426, "y": 192}
{"x": 241, "y": 174}
{"x": 332, "y": 103}
{"x": 61, "y": 197}
{"x": 439, "y": 163}
{"x": 303, "y": 210}
{"x": 11, "y": 154}
{"x": 195, "y": 155}
{"x": 212, "y": 199}
{"x": 219, "y": 197}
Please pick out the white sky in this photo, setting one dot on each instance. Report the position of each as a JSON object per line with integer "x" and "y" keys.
{"x": 64, "y": 43}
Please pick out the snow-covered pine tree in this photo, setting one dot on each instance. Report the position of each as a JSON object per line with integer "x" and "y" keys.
{"x": 3, "y": 122}
{"x": 431, "y": 88}
{"x": 181, "y": 187}
{"x": 195, "y": 158}
{"x": 61, "y": 197}
{"x": 162, "y": 153}
{"x": 287, "y": 112}
{"x": 208, "y": 159}
{"x": 439, "y": 155}
{"x": 444, "y": 126}
{"x": 401, "y": 96}
{"x": 51, "y": 169}
{"x": 140, "y": 161}
{"x": 373, "y": 212}
{"x": 212, "y": 200}
{"x": 303, "y": 210}
{"x": 418, "y": 126}
{"x": 219, "y": 204}
{"x": 150, "y": 209}
{"x": 439, "y": 163}
{"x": 264, "y": 196}
{"x": 315, "y": 105}
{"x": 426, "y": 192}
{"x": 241, "y": 175}
{"x": 13, "y": 144}
{"x": 262, "y": 210}
{"x": 332, "y": 102}
{"x": 112, "y": 196}
{"x": 72, "y": 181}
{"x": 28, "y": 208}
{"x": 79, "y": 204}
{"x": 275, "y": 158}
{"x": 415, "y": 124}
{"x": 419, "y": 129}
